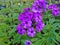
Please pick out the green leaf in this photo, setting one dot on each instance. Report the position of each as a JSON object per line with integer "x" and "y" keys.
{"x": 34, "y": 39}
{"x": 17, "y": 38}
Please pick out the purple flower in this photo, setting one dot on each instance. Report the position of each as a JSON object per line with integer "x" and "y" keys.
{"x": 18, "y": 27}
{"x": 28, "y": 42}
{"x": 27, "y": 23}
{"x": 51, "y": 6}
{"x": 54, "y": 9}
{"x": 31, "y": 32}
{"x": 55, "y": 12}
{"x": 25, "y": 16}
{"x": 58, "y": 4}
{"x": 20, "y": 30}
{"x": 39, "y": 6}
{"x": 37, "y": 17}
{"x": 39, "y": 26}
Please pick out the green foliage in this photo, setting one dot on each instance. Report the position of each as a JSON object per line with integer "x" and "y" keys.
{"x": 50, "y": 34}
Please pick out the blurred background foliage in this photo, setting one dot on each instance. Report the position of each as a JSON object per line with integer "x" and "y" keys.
{"x": 9, "y": 11}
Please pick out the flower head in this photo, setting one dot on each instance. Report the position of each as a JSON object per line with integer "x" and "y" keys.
{"x": 55, "y": 12}
{"x": 20, "y": 30}
{"x": 29, "y": 23}
{"x": 39, "y": 26}
{"x": 37, "y": 17}
{"x": 58, "y": 4}
{"x": 28, "y": 42}
{"x": 25, "y": 16}
{"x": 31, "y": 32}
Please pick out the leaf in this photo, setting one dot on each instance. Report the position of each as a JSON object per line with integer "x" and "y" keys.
{"x": 3, "y": 26}
{"x": 12, "y": 31}
{"x": 15, "y": 15}
{"x": 34, "y": 39}
{"x": 38, "y": 42}
{"x": 17, "y": 38}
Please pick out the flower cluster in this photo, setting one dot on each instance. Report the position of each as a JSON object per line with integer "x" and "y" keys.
{"x": 54, "y": 9}
{"x": 31, "y": 19}
{"x": 39, "y": 6}
{"x": 30, "y": 23}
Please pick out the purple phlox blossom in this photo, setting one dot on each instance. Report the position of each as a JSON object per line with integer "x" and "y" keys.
{"x": 27, "y": 23}
{"x": 31, "y": 32}
{"x": 20, "y": 30}
{"x": 39, "y": 26}
{"x": 25, "y": 16}
{"x": 55, "y": 12}
{"x": 28, "y": 42}
{"x": 37, "y": 17}
{"x": 30, "y": 22}
{"x": 58, "y": 5}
